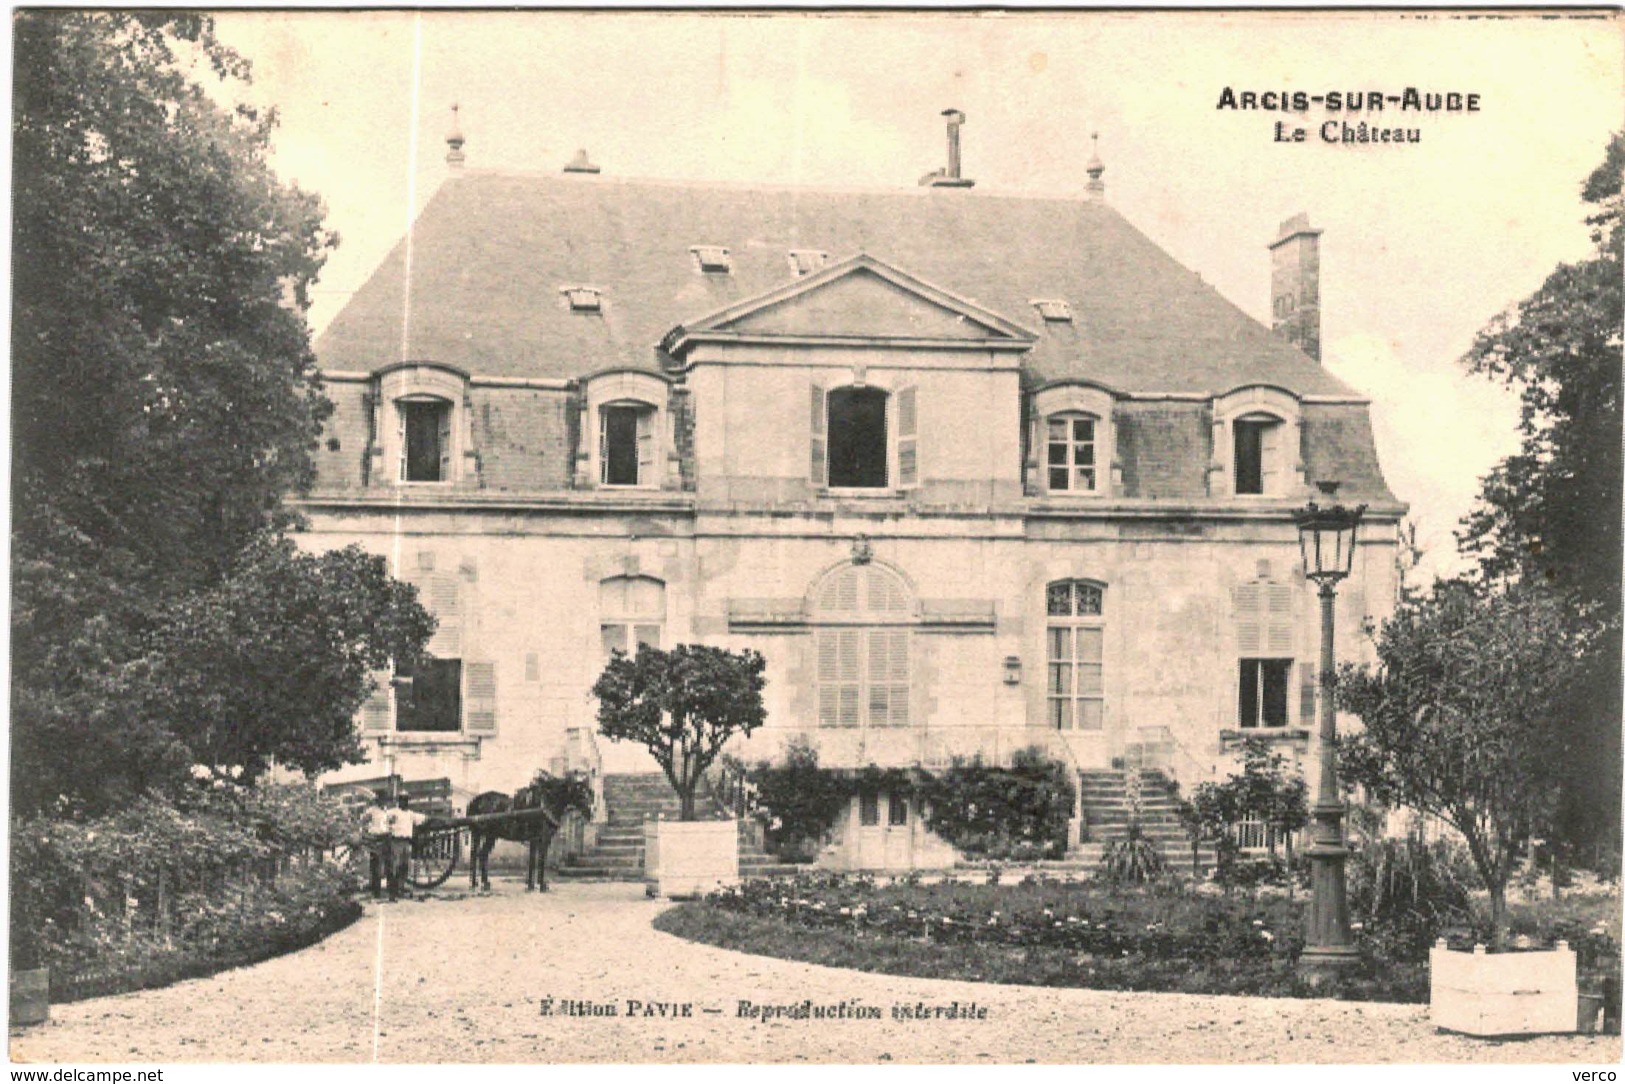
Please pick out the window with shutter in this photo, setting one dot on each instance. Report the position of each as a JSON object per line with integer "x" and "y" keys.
{"x": 908, "y": 438}
{"x": 857, "y": 448}
{"x": 646, "y": 448}
{"x": 1259, "y": 465}
{"x": 622, "y": 445}
{"x": 425, "y": 440}
{"x": 861, "y": 643}
{"x": 1265, "y": 638}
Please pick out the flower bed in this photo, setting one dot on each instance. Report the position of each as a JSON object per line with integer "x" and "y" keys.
{"x": 1165, "y": 925}
{"x": 1164, "y": 937}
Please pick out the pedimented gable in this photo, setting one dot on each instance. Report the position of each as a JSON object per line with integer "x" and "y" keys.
{"x": 861, "y": 298}
{"x": 863, "y": 304}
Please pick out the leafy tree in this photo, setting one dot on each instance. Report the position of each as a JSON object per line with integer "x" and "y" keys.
{"x": 803, "y": 800}
{"x": 273, "y": 663}
{"x": 1551, "y": 513}
{"x": 682, "y": 705}
{"x": 165, "y": 398}
{"x": 1458, "y": 715}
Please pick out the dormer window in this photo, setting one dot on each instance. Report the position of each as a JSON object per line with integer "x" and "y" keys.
{"x": 804, "y": 261}
{"x": 712, "y": 259}
{"x": 626, "y": 433}
{"x": 1073, "y": 442}
{"x": 1054, "y": 311}
{"x": 425, "y": 440}
{"x": 420, "y": 419}
{"x": 1070, "y": 453}
{"x": 583, "y": 298}
{"x": 1257, "y": 438}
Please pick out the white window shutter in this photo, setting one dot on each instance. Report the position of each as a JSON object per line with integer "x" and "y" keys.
{"x": 400, "y": 436}
{"x": 646, "y": 448}
{"x": 1306, "y": 704}
{"x": 445, "y": 602}
{"x": 603, "y": 448}
{"x": 445, "y": 442}
{"x": 1250, "y": 620}
{"x": 481, "y": 714}
{"x": 376, "y": 712}
{"x": 1278, "y": 599}
{"x": 818, "y": 468}
{"x": 908, "y": 438}
{"x": 1270, "y": 457}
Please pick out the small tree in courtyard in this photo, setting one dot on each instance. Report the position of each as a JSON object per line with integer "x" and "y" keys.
{"x": 1459, "y": 718}
{"x": 682, "y": 705}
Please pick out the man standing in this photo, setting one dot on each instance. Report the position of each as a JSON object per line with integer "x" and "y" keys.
{"x": 403, "y": 821}
{"x": 375, "y": 837}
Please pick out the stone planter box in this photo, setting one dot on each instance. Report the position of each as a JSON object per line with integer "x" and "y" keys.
{"x": 684, "y": 859}
{"x": 30, "y": 997}
{"x": 1508, "y": 993}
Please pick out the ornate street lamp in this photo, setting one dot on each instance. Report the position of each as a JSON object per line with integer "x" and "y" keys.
{"x": 1326, "y": 536}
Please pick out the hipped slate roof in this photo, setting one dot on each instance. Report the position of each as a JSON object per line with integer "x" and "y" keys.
{"x": 491, "y": 251}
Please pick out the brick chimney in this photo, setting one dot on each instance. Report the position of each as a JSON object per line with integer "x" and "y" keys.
{"x": 950, "y": 177}
{"x": 1295, "y": 285}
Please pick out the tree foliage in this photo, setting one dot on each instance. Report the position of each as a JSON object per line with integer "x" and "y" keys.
{"x": 682, "y": 705}
{"x": 165, "y": 398}
{"x": 1265, "y": 789}
{"x": 1551, "y": 513}
{"x": 1458, "y": 716}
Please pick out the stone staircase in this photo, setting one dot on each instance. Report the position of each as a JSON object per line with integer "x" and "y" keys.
{"x": 1106, "y": 815}
{"x": 629, "y": 800}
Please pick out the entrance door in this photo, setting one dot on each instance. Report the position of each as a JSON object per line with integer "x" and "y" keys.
{"x": 883, "y": 836}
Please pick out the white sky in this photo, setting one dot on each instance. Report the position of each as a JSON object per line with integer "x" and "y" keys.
{"x": 1423, "y": 243}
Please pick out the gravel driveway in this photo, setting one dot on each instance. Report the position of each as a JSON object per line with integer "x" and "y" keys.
{"x": 468, "y": 979}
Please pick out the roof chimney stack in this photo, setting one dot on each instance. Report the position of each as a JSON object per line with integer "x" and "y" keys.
{"x": 1295, "y": 285}
{"x": 454, "y": 142}
{"x": 950, "y": 178}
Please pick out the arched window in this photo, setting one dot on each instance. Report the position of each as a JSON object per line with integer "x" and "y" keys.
{"x": 1075, "y": 638}
{"x": 861, "y": 615}
{"x": 1071, "y": 454}
{"x": 631, "y": 611}
{"x": 1071, "y": 445}
{"x": 626, "y": 428}
{"x": 1258, "y": 467}
{"x": 626, "y": 444}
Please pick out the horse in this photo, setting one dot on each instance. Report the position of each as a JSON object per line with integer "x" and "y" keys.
{"x": 555, "y": 796}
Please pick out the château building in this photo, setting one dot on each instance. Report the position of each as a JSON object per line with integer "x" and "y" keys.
{"x": 975, "y": 472}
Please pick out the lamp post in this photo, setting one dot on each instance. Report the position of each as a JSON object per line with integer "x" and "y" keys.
{"x": 1326, "y": 537}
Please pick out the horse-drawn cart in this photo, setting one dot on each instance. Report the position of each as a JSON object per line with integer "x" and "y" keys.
{"x": 439, "y": 843}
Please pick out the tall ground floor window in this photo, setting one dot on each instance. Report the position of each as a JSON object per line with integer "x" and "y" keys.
{"x": 1263, "y": 698}
{"x": 1075, "y": 641}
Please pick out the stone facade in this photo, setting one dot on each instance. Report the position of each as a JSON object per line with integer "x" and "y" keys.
{"x": 904, "y": 623}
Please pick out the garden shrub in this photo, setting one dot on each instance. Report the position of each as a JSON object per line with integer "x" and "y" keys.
{"x": 1134, "y": 860}
{"x": 1407, "y": 892}
{"x": 1020, "y": 812}
{"x": 798, "y": 801}
{"x": 165, "y": 889}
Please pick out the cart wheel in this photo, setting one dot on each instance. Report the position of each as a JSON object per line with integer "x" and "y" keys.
{"x": 434, "y": 856}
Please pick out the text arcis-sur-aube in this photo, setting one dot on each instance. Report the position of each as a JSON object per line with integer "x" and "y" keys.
{"x": 1404, "y": 107}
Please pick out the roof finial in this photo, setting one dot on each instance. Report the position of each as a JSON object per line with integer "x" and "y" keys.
{"x": 1096, "y": 188}
{"x": 454, "y": 141}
